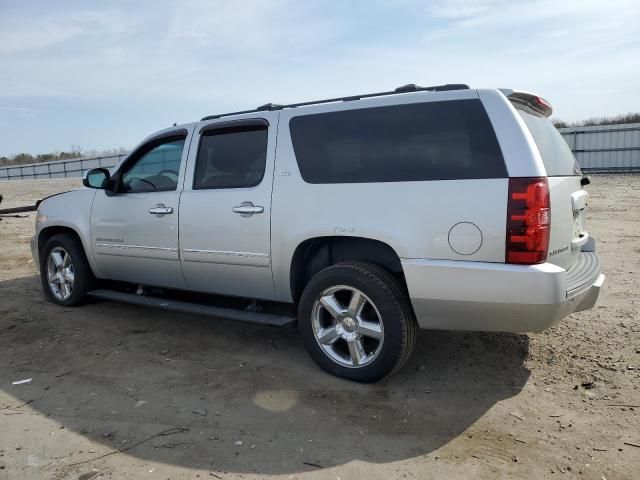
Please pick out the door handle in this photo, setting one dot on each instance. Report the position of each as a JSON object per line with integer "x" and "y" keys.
{"x": 160, "y": 209}
{"x": 246, "y": 209}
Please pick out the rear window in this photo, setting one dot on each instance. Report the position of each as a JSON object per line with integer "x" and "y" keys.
{"x": 401, "y": 143}
{"x": 556, "y": 155}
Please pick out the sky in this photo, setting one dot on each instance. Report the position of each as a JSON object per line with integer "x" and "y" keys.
{"x": 106, "y": 74}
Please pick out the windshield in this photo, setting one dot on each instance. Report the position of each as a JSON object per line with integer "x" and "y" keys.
{"x": 556, "y": 155}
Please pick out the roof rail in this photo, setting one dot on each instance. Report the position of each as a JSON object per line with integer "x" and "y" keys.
{"x": 412, "y": 87}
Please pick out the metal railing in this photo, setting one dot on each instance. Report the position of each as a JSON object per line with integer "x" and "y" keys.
{"x": 71, "y": 168}
{"x": 605, "y": 148}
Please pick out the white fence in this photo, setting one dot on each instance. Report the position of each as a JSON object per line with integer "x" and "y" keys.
{"x": 605, "y": 148}
{"x": 602, "y": 148}
{"x": 60, "y": 169}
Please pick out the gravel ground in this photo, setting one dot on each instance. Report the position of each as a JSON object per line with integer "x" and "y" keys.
{"x": 119, "y": 391}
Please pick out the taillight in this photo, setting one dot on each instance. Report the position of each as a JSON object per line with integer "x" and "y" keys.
{"x": 528, "y": 220}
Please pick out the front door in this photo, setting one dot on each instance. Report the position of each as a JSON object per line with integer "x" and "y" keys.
{"x": 134, "y": 228}
{"x": 225, "y": 208}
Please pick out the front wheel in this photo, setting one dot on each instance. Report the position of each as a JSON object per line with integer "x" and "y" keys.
{"x": 356, "y": 321}
{"x": 65, "y": 273}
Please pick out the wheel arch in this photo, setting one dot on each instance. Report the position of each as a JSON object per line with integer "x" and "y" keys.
{"x": 51, "y": 230}
{"x": 46, "y": 233}
{"x": 317, "y": 253}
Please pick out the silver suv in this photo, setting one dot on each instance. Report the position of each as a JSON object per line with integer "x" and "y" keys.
{"x": 362, "y": 217}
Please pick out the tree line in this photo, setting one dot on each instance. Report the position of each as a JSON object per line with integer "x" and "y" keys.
{"x": 593, "y": 121}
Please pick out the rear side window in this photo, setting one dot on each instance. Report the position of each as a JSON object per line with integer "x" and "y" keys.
{"x": 556, "y": 155}
{"x": 231, "y": 158}
{"x": 401, "y": 143}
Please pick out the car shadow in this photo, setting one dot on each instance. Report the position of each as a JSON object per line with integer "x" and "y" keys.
{"x": 247, "y": 397}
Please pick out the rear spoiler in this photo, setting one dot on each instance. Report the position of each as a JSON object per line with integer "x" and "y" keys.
{"x": 529, "y": 101}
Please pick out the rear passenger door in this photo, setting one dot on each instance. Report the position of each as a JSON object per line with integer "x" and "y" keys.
{"x": 225, "y": 208}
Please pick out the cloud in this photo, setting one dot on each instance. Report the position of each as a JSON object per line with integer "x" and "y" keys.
{"x": 179, "y": 61}
{"x": 185, "y": 50}
{"x": 230, "y": 26}
{"x": 9, "y": 112}
{"x": 223, "y": 52}
{"x": 461, "y": 9}
{"x": 533, "y": 12}
{"x": 21, "y": 33}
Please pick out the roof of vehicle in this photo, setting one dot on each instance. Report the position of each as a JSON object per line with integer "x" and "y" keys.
{"x": 412, "y": 87}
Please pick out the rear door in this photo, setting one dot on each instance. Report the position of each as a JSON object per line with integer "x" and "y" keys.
{"x": 568, "y": 199}
{"x": 225, "y": 208}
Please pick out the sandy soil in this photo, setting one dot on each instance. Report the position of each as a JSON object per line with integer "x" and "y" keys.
{"x": 126, "y": 392}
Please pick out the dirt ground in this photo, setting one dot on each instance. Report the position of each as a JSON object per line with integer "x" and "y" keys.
{"x": 119, "y": 391}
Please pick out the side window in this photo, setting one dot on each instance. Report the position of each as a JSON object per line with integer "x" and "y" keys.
{"x": 231, "y": 158}
{"x": 401, "y": 143}
{"x": 156, "y": 168}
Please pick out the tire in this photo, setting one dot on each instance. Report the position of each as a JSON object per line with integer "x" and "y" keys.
{"x": 385, "y": 328}
{"x": 75, "y": 271}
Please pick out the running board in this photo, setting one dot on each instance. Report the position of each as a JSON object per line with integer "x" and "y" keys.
{"x": 196, "y": 308}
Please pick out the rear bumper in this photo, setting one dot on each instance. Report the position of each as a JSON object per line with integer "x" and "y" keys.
{"x": 454, "y": 295}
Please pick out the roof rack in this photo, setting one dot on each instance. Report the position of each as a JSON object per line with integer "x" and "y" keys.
{"x": 411, "y": 87}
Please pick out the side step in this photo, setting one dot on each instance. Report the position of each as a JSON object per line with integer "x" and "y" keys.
{"x": 197, "y": 308}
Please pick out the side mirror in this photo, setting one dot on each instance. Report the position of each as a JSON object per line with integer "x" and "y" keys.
{"x": 96, "y": 178}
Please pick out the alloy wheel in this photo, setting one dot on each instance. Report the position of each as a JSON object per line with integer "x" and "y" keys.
{"x": 60, "y": 273}
{"x": 348, "y": 326}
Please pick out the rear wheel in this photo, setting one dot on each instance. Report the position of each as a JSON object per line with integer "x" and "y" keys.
{"x": 356, "y": 321}
{"x": 64, "y": 271}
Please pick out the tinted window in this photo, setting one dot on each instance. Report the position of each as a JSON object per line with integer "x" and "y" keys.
{"x": 157, "y": 169}
{"x": 421, "y": 141}
{"x": 556, "y": 155}
{"x": 231, "y": 158}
